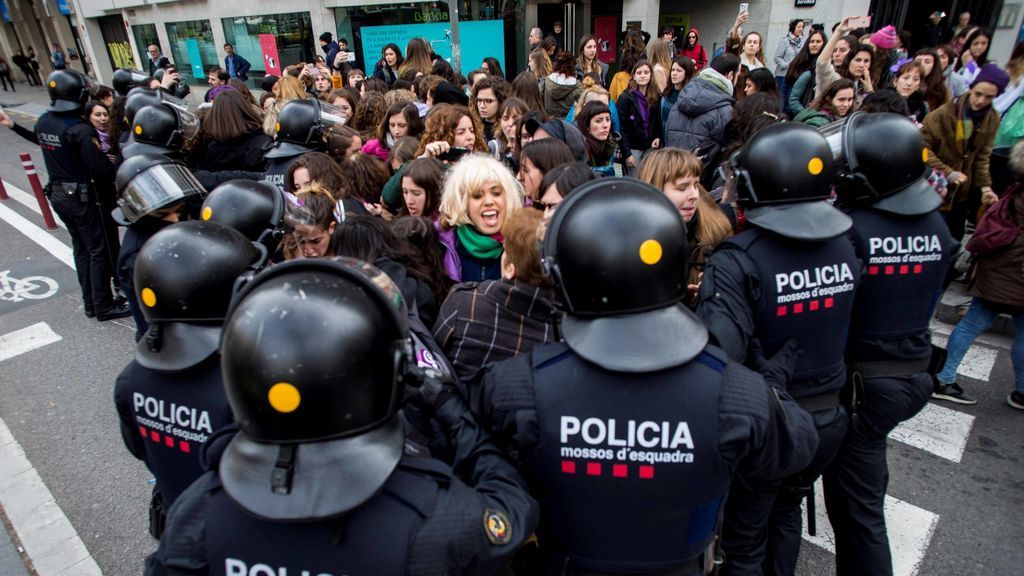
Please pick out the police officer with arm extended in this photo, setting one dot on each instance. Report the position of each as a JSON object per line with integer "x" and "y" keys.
{"x": 630, "y": 430}
{"x": 790, "y": 275}
{"x": 170, "y": 398}
{"x": 315, "y": 358}
{"x": 900, "y": 236}
{"x": 74, "y": 160}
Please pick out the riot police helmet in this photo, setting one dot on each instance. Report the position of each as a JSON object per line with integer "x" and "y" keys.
{"x": 883, "y": 162}
{"x": 617, "y": 252}
{"x": 147, "y": 183}
{"x": 311, "y": 355}
{"x": 162, "y": 129}
{"x": 782, "y": 178}
{"x": 69, "y": 90}
{"x": 140, "y": 97}
{"x": 184, "y": 278}
{"x": 124, "y": 80}
{"x": 256, "y": 209}
{"x": 301, "y": 126}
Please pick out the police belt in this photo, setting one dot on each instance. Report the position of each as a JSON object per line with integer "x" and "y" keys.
{"x": 890, "y": 368}
{"x": 817, "y": 402}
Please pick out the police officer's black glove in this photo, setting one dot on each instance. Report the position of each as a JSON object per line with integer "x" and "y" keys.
{"x": 428, "y": 390}
{"x": 777, "y": 370}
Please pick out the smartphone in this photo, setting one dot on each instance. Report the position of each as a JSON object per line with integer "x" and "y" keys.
{"x": 859, "y": 22}
{"x": 744, "y": 7}
{"x": 351, "y": 57}
{"x": 453, "y": 154}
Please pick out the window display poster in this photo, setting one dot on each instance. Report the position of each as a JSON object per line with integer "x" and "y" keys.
{"x": 479, "y": 39}
{"x": 271, "y": 61}
{"x": 192, "y": 47}
{"x": 606, "y": 29}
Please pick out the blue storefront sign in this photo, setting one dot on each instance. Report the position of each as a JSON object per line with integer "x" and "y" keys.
{"x": 64, "y": 6}
{"x": 478, "y": 38}
{"x": 194, "y": 58}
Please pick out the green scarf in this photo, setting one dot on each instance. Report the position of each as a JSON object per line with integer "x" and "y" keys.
{"x": 479, "y": 245}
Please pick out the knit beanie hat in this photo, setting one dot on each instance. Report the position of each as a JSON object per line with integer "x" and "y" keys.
{"x": 993, "y": 75}
{"x": 885, "y": 38}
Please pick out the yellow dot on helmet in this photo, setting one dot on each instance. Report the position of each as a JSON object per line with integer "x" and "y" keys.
{"x": 138, "y": 129}
{"x": 148, "y": 297}
{"x": 277, "y": 127}
{"x": 207, "y": 213}
{"x": 284, "y": 397}
{"x": 650, "y": 252}
{"x": 924, "y": 154}
{"x": 815, "y": 166}
{"x": 53, "y": 84}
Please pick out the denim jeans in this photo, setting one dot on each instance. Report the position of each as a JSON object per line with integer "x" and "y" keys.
{"x": 979, "y": 317}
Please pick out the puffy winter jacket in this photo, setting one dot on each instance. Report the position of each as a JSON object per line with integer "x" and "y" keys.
{"x": 560, "y": 95}
{"x": 702, "y": 111}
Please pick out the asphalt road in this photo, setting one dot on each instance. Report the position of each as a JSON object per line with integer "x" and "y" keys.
{"x": 957, "y": 483}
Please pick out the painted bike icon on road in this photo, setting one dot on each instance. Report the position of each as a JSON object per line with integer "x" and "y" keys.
{"x": 30, "y": 287}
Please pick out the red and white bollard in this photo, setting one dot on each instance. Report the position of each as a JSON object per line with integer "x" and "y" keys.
{"x": 37, "y": 187}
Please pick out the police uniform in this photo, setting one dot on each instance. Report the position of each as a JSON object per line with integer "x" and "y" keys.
{"x": 74, "y": 161}
{"x": 301, "y": 128}
{"x": 299, "y": 489}
{"x": 791, "y": 275}
{"x": 631, "y": 429}
{"x": 170, "y": 398}
{"x": 907, "y": 251}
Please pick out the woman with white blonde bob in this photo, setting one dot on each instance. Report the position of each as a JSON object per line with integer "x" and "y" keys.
{"x": 479, "y": 193}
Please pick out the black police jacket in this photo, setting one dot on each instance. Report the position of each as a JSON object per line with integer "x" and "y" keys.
{"x": 425, "y": 520}
{"x": 632, "y": 469}
{"x": 906, "y": 260}
{"x": 166, "y": 417}
{"x": 761, "y": 285}
{"x": 71, "y": 150}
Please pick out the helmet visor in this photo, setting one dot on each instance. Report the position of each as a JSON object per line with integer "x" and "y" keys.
{"x": 189, "y": 125}
{"x": 834, "y": 134}
{"x": 331, "y": 116}
{"x": 173, "y": 101}
{"x": 157, "y": 187}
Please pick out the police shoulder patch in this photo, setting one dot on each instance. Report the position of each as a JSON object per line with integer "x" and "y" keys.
{"x": 497, "y": 527}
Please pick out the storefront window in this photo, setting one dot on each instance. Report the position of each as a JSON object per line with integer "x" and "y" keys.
{"x": 192, "y": 49}
{"x": 486, "y": 28}
{"x": 272, "y": 41}
{"x": 145, "y": 34}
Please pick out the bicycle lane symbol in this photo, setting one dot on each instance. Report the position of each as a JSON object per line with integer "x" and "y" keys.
{"x": 28, "y": 288}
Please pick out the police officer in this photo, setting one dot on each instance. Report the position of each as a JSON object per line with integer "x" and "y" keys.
{"x": 124, "y": 80}
{"x": 314, "y": 356}
{"x": 161, "y": 128}
{"x": 77, "y": 165}
{"x": 170, "y": 398}
{"x": 256, "y": 209}
{"x": 301, "y": 127}
{"x": 907, "y": 250}
{"x": 630, "y": 430}
{"x": 791, "y": 274}
{"x": 153, "y": 192}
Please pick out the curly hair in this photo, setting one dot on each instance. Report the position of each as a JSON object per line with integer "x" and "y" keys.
{"x": 369, "y": 113}
{"x": 441, "y": 123}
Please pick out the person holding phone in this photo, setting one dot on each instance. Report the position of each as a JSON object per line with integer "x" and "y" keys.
{"x": 449, "y": 132}
{"x": 854, "y": 65}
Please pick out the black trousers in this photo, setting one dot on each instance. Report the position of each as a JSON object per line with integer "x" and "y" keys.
{"x": 763, "y": 526}
{"x": 29, "y": 76}
{"x": 5, "y": 78}
{"x": 856, "y": 482}
{"x": 92, "y": 261}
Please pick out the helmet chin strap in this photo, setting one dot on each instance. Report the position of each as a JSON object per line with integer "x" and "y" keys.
{"x": 154, "y": 337}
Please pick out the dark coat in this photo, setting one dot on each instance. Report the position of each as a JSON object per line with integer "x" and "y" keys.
{"x": 633, "y": 136}
{"x": 245, "y": 153}
{"x": 970, "y": 157}
{"x": 999, "y": 277}
{"x": 242, "y": 66}
{"x": 702, "y": 111}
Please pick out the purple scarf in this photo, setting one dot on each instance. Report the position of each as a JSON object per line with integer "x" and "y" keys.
{"x": 645, "y": 110}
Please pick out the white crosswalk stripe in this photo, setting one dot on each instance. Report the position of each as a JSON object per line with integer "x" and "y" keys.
{"x": 938, "y": 430}
{"x": 27, "y": 339}
{"x": 977, "y": 363}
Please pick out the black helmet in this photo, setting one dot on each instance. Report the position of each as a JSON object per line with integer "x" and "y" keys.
{"x": 883, "y": 162}
{"x": 782, "y": 177}
{"x": 69, "y": 90}
{"x": 162, "y": 129}
{"x": 124, "y": 80}
{"x": 139, "y": 98}
{"x": 148, "y": 182}
{"x": 256, "y": 209}
{"x": 618, "y": 253}
{"x": 184, "y": 278}
{"x": 301, "y": 126}
{"x": 311, "y": 355}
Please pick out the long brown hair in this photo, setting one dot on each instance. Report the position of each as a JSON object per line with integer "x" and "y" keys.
{"x": 651, "y": 93}
{"x": 581, "y": 60}
{"x": 441, "y": 123}
{"x": 935, "y": 92}
{"x": 823, "y": 103}
{"x": 417, "y": 57}
{"x": 231, "y": 117}
{"x": 525, "y": 87}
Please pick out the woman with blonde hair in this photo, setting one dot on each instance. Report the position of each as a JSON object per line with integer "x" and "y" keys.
{"x": 540, "y": 65}
{"x": 450, "y": 126}
{"x": 479, "y": 193}
{"x": 677, "y": 173}
{"x": 587, "y": 62}
{"x": 287, "y": 88}
{"x": 417, "y": 57}
{"x": 659, "y": 57}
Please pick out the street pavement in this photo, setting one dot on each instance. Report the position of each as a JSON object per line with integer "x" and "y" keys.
{"x": 956, "y": 491}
